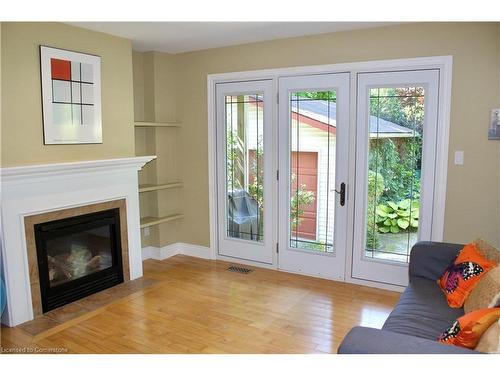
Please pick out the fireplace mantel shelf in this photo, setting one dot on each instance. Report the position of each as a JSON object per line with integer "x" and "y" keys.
{"x": 47, "y": 170}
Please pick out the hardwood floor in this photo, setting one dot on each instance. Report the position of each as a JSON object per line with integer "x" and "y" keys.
{"x": 199, "y": 307}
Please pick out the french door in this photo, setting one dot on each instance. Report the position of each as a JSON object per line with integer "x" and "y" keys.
{"x": 313, "y": 164}
{"x": 305, "y": 172}
{"x": 246, "y": 170}
{"x": 396, "y": 132}
{"x": 283, "y": 169}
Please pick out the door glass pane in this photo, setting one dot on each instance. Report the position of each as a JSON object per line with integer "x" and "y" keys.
{"x": 312, "y": 169}
{"x": 394, "y": 168}
{"x": 245, "y": 166}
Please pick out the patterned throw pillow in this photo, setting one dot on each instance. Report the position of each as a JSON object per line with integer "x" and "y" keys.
{"x": 463, "y": 274}
{"x": 486, "y": 293}
{"x": 467, "y": 330}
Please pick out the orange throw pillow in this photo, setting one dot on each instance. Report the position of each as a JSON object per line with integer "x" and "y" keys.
{"x": 467, "y": 330}
{"x": 462, "y": 275}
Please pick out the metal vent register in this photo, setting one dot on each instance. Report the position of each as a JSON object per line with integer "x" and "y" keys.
{"x": 239, "y": 269}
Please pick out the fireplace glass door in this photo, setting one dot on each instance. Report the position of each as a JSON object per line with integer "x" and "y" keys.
{"x": 78, "y": 256}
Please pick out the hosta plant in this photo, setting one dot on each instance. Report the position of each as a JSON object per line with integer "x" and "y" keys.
{"x": 397, "y": 217}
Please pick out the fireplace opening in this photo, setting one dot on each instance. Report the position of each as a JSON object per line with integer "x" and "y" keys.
{"x": 78, "y": 256}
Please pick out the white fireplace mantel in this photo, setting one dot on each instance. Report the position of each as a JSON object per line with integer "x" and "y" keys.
{"x": 60, "y": 169}
{"x": 35, "y": 189}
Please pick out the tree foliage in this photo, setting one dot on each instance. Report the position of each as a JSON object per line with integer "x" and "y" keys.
{"x": 398, "y": 161}
{"x": 395, "y": 164}
{"x": 375, "y": 190}
{"x": 399, "y": 166}
{"x": 317, "y": 95}
{"x": 300, "y": 198}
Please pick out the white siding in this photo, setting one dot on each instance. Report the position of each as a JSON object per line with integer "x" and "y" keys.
{"x": 315, "y": 140}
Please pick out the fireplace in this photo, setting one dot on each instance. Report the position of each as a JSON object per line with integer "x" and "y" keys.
{"x": 78, "y": 256}
{"x": 47, "y": 193}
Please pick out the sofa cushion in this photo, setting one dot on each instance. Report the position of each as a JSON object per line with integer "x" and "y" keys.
{"x": 488, "y": 251}
{"x": 485, "y": 293}
{"x": 422, "y": 311}
{"x": 365, "y": 340}
{"x": 429, "y": 259}
{"x": 490, "y": 340}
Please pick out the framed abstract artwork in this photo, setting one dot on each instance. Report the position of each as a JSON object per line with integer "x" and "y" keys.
{"x": 71, "y": 96}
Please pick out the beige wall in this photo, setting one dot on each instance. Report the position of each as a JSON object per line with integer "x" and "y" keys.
{"x": 139, "y": 86}
{"x": 22, "y": 130}
{"x": 473, "y": 196}
{"x": 155, "y": 96}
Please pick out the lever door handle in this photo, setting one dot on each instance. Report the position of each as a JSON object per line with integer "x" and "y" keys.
{"x": 342, "y": 194}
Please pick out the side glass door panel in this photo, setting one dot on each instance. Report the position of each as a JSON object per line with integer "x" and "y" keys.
{"x": 395, "y": 163}
{"x": 245, "y": 170}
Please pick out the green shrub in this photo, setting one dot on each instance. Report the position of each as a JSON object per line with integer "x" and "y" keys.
{"x": 399, "y": 165}
{"x": 375, "y": 190}
{"x": 397, "y": 217}
{"x": 299, "y": 199}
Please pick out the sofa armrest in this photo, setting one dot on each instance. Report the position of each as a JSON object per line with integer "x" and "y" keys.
{"x": 429, "y": 259}
{"x": 364, "y": 340}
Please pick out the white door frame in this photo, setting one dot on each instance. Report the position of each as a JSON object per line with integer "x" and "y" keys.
{"x": 443, "y": 63}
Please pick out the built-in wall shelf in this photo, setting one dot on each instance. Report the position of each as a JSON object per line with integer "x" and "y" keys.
{"x": 146, "y": 124}
{"x": 157, "y": 131}
{"x": 150, "y": 221}
{"x": 154, "y": 187}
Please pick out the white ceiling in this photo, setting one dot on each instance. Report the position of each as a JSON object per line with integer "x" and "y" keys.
{"x": 176, "y": 37}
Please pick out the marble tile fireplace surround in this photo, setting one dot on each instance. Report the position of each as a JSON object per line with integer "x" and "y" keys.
{"x": 51, "y": 193}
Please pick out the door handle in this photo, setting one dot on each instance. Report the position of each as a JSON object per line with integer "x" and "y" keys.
{"x": 342, "y": 194}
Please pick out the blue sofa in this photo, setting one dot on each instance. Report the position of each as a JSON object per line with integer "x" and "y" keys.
{"x": 421, "y": 314}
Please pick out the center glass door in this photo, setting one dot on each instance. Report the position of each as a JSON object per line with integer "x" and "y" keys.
{"x": 246, "y": 171}
{"x": 313, "y": 171}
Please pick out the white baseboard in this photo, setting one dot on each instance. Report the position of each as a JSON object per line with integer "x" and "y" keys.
{"x": 194, "y": 250}
{"x": 161, "y": 253}
{"x": 146, "y": 252}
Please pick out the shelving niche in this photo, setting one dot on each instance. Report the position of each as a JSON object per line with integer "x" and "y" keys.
{"x": 159, "y": 181}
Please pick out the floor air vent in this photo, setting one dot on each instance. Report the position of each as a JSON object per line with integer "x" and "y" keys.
{"x": 239, "y": 269}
